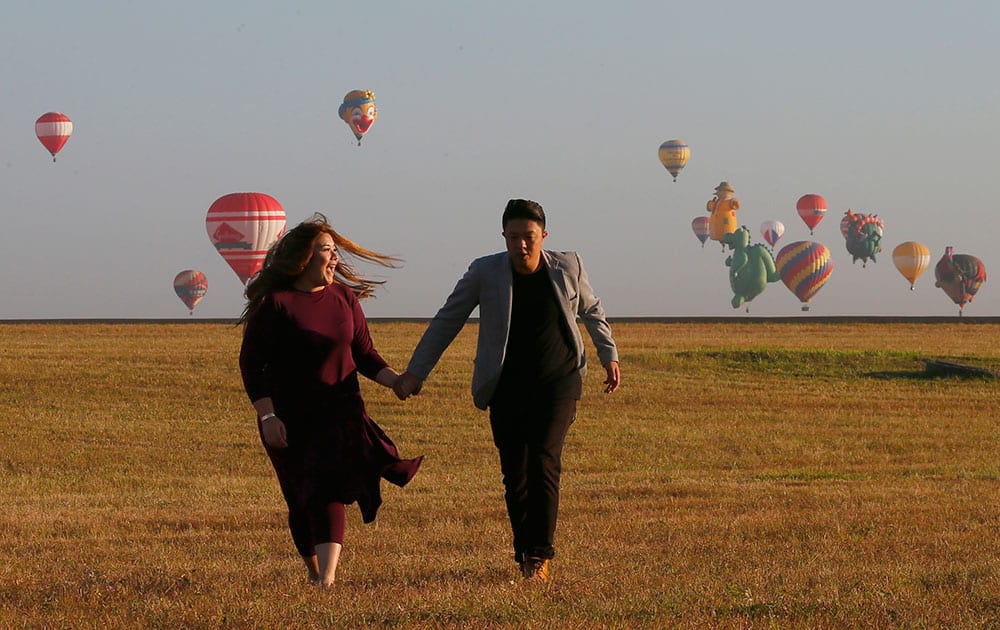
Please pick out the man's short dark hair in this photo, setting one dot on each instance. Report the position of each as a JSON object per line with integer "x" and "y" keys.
{"x": 523, "y": 209}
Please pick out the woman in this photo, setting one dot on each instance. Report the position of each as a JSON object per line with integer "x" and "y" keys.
{"x": 304, "y": 342}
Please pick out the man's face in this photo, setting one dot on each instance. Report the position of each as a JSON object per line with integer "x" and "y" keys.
{"x": 524, "y": 244}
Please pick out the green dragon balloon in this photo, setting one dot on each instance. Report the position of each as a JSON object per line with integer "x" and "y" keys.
{"x": 864, "y": 235}
{"x": 751, "y": 267}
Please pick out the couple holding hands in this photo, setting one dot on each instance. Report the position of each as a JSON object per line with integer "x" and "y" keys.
{"x": 306, "y": 340}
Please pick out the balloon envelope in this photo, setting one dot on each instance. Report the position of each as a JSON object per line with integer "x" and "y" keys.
{"x": 771, "y": 231}
{"x": 242, "y": 226}
{"x": 53, "y": 130}
{"x": 811, "y": 208}
{"x": 863, "y": 235}
{"x": 911, "y": 259}
{"x": 959, "y": 276}
{"x": 845, "y": 224}
{"x": 700, "y": 228}
{"x": 674, "y": 155}
{"x": 804, "y": 267}
{"x": 190, "y": 286}
{"x": 359, "y": 111}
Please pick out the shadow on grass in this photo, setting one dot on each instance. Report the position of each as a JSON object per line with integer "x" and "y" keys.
{"x": 921, "y": 375}
{"x": 939, "y": 370}
{"x": 832, "y": 364}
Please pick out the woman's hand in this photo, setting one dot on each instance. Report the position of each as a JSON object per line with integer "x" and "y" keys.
{"x": 273, "y": 430}
{"x": 387, "y": 377}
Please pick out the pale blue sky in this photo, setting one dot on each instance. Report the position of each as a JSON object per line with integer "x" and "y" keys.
{"x": 885, "y": 107}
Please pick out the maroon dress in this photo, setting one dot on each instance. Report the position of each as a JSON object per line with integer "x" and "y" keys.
{"x": 304, "y": 351}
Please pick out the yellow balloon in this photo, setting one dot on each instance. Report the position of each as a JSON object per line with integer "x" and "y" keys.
{"x": 674, "y": 154}
{"x": 722, "y": 207}
{"x": 911, "y": 259}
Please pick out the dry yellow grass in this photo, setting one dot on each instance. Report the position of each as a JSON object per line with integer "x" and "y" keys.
{"x": 748, "y": 474}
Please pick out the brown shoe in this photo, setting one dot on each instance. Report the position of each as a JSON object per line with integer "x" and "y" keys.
{"x": 535, "y": 569}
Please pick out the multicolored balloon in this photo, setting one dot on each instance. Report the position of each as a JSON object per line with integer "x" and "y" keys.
{"x": 190, "y": 286}
{"x": 359, "y": 112}
{"x": 863, "y": 235}
{"x": 53, "y": 130}
{"x": 674, "y": 155}
{"x": 700, "y": 228}
{"x": 804, "y": 267}
{"x": 811, "y": 208}
{"x": 242, "y": 226}
{"x": 959, "y": 276}
{"x": 772, "y": 231}
{"x": 911, "y": 259}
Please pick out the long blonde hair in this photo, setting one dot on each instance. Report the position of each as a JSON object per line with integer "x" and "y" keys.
{"x": 290, "y": 255}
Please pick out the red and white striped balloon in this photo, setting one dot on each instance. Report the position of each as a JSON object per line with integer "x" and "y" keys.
{"x": 242, "y": 227}
{"x": 53, "y": 130}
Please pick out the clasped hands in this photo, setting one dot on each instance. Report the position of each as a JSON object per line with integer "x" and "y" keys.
{"x": 407, "y": 385}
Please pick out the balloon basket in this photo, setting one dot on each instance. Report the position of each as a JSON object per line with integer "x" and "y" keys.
{"x": 805, "y": 308}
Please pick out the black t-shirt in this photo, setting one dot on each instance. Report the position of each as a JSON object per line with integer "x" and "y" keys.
{"x": 540, "y": 355}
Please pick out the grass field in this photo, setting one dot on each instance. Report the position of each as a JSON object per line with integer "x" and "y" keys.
{"x": 747, "y": 475}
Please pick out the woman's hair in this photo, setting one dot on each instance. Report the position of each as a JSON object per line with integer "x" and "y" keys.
{"x": 290, "y": 255}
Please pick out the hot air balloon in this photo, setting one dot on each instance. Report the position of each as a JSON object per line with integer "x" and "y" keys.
{"x": 700, "y": 228}
{"x": 190, "y": 286}
{"x": 811, "y": 208}
{"x": 723, "y": 209}
{"x": 863, "y": 236}
{"x": 53, "y": 130}
{"x": 772, "y": 231}
{"x": 845, "y": 224}
{"x": 751, "y": 267}
{"x": 674, "y": 154}
{"x": 242, "y": 227}
{"x": 359, "y": 112}
{"x": 804, "y": 267}
{"x": 959, "y": 276}
{"x": 911, "y": 259}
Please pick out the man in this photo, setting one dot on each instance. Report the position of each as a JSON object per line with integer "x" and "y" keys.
{"x": 528, "y": 369}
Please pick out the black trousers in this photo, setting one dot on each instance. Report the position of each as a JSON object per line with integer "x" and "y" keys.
{"x": 529, "y": 433}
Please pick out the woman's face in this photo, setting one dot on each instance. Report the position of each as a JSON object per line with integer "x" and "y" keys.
{"x": 320, "y": 270}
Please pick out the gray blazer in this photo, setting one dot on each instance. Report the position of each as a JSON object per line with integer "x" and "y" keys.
{"x": 488, "y": 285}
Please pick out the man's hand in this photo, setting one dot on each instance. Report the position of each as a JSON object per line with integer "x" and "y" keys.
{"x": 407, "y": 385}
{"x": 614, "y": 377}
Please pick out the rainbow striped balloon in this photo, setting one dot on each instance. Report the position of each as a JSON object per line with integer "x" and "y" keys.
{"x": 804, "y": 267}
